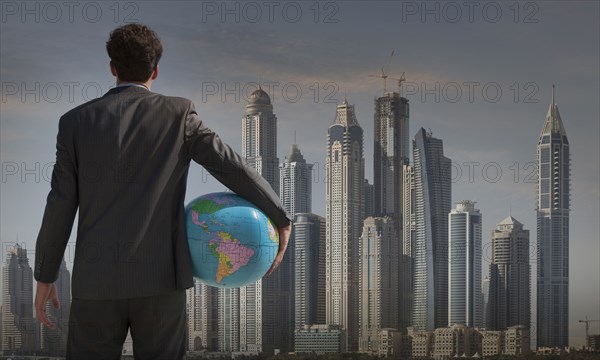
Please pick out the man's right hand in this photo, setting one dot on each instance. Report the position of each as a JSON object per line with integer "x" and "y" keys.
{"x": 284, "y": 237}
{"x": 43, "y": 293}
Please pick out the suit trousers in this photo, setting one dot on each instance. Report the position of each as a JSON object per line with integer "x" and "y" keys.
{"x": 98, "y": 328}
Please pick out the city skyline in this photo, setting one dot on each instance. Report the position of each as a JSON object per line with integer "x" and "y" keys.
{"x": 503, "y": 131}
{"x": 431, "y": 195}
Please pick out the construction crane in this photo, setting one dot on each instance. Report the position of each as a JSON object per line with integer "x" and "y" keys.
{"x": 400, "y": 80}
{"x": 587, "y": 329}
{"x": 382, "y": 74}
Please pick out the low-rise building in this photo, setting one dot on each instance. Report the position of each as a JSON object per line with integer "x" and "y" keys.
{"x": 390, "y": 342}
{"x": 319, "y": 339}
{"x": 421, "y": 343}
{"x": 551, "y": 351}
{"x": 463, "y": 341}
{"x": 516, "y": 341}
{"x": 492, "y": 342}
{"x": 593, "y": 342}
{"x": 456, "y": 340}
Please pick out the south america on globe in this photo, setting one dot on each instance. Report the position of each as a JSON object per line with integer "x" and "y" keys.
{"x": 232, "y": 242}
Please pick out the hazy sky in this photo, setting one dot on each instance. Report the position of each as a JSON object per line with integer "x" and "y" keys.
{"x": 478, "y": 74}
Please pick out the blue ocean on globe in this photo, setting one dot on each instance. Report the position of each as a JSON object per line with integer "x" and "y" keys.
{"x": 232, "y": 242}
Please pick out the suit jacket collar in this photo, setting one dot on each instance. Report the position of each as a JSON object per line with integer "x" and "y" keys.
{"x": 127, "y": 90}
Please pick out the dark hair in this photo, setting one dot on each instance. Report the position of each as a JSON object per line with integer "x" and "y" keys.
{"x": 134, "y": 50}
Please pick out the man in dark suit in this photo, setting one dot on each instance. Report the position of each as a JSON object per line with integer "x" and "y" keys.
{"x": 123, "y": 160}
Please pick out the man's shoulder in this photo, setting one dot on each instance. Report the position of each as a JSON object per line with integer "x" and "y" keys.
{"x": 74, "y": 112}
{"x": 112, "y": 98}
{"x": 177, "y": 100}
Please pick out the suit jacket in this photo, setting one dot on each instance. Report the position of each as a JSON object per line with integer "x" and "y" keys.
{"x": 123, "y": 160}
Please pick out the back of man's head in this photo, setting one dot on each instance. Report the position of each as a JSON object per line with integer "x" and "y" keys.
{"x": 134, "y": 51}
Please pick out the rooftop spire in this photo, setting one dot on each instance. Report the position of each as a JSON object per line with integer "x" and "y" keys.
{"x": 294, "y": 155}
{"x": 345, "y": 115}
{"x": 510, "y": 220}
{"x": 553, "y": 121}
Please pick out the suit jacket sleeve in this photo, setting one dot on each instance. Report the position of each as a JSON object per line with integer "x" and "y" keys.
{"x": 61, "y": 206}
{"x": 207, "y": 149}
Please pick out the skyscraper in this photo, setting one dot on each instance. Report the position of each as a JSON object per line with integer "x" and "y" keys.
{"x": 54, "y": 341}
{"x": 252, "y": 321}
{"x": 432, "y": 205}
{"x": 296, "y": 182}
{"x": 408, "y": 237}
{"x": 553, "y": 204}
{"x": 369, "y": 199}
{"x": 465, "y": 298}
{"x": 390, "y": 153}
{"x": 344, "y": 214}
{"x": 509, "y": 284}
{"x": 309, "y": 239}
{"x": 379, "y": 255}
{"x": 296, "y": 195}
{"x": 259, "y": 137}
{"x": 266, "y": 307}
{"x": 229, "y": 319}
{"x": 202, "y": 317}
{"x": 408, "y": 211}
{"x": 485, "y": 290}
{"x": 18, "y": 333}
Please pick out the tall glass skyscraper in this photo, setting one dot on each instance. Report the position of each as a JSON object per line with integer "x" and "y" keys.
{"x": 202, "y": 317}
{"x": 509, "y": 281}
{"x": 17, "y": 302}
{"x": 465, "y": 298}
{"x": 259, "y": 137}
{"x": 390, "y": 153}
{"x": 553, "y": 205}
{"x": 379, "y": 256}
{"x": 295, "y": 188}
{"x": 309, "y": 241}
{"x": 407, "y": 250}
{"x": 253, "y": 316}
{"x": 369, "y": 199}
{"x": 295, "y": 184}
{"x": 265, "y": 307}
{"x": 229, "y": 319}
{"x": 432, "y": 185}
{"x": 345, "y": 175}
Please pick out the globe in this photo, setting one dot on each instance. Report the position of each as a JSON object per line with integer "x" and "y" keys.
{"x": 232, "y": 242}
